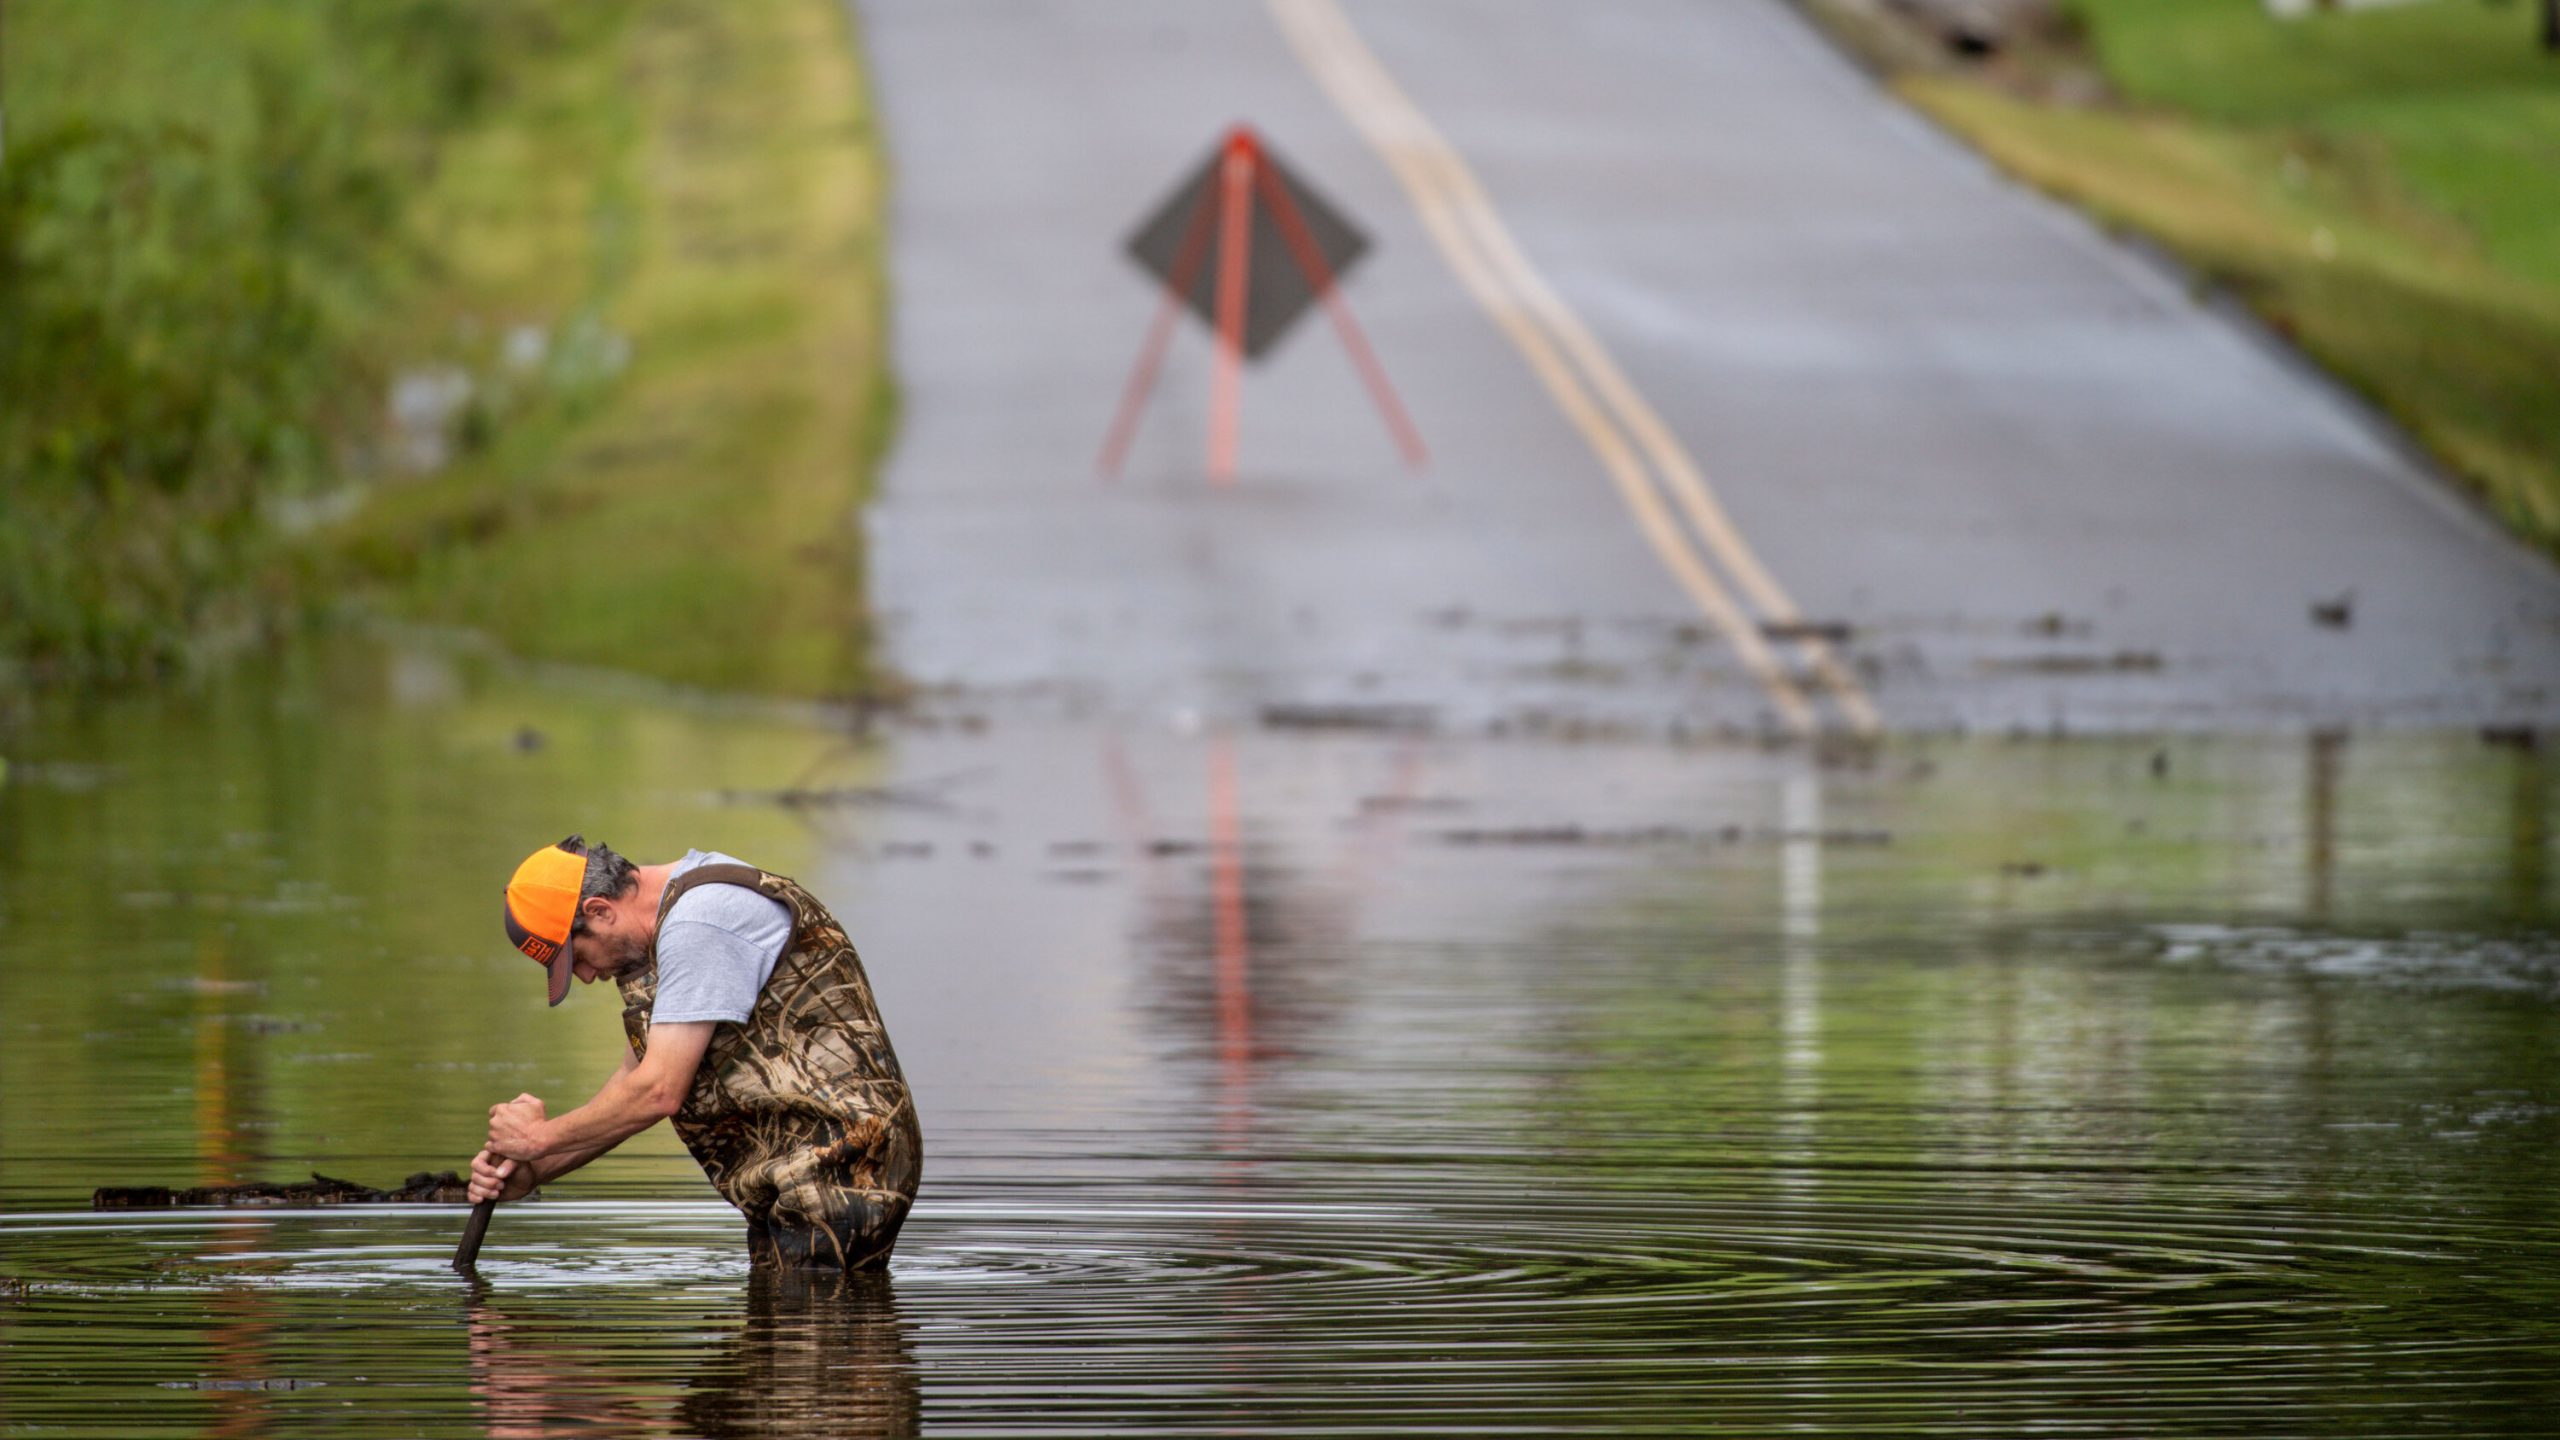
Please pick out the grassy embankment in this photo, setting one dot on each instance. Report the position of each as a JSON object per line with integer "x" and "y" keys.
{"x": 2381, "y": 186}
{"x": 642, "y": 231}
{"x": 200, "y": 226}
{"x": 713, "y": 184}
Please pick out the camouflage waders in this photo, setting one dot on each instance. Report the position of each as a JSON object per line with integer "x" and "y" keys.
{"x": 799, "y": 1116}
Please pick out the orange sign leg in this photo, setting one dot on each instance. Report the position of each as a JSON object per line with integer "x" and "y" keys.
{"x": 1310, "y": 258}
{"x": 1235, "y": 242}
{"x": 1186, "y": 264}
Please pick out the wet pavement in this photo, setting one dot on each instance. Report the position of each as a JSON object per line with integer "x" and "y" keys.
{"x": 2038, "y": 483}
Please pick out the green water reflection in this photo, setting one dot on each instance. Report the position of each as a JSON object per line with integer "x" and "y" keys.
{"x": 248, "y": 930}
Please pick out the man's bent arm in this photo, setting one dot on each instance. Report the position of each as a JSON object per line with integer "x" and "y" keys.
{"x": 636, "y": 1098}
{"x": 555, "y": 1166}
{"x": 491, "y": 1171}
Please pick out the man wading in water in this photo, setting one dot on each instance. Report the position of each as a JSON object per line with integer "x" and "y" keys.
{"x": 752, "y": 1027}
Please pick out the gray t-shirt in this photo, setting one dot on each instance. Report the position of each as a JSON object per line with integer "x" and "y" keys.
{"x": 717, "y": 947}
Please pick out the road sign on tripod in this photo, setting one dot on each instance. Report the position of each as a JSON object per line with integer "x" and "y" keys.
{"x": 1246, "y": 246}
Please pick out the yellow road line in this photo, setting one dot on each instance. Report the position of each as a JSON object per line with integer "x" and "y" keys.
{"x": 1403, "y": 137}
{"x": 1479, "y": 247}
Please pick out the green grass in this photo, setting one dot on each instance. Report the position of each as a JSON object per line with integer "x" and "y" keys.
{"x": 227, "y": 228}
{"x": 2231, "y": 60}
{"x": 2453, "y": 93}
{"x": 2383, "y": 186}
{"x": 710, "y": 193}
{"x": 201, "y": 234}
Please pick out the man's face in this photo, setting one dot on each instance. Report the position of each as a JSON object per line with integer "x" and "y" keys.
{"x": 606, "y": 942}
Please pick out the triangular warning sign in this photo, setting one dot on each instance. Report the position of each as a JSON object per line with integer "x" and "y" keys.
{"x": 1246, "y": 246}
{"x": 1277, "y": 287}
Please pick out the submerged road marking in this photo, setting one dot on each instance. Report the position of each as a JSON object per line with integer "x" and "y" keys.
{"x": 1594, "y": 394}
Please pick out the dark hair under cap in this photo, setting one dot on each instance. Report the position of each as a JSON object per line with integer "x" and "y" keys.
{"x": 608, "y": 875}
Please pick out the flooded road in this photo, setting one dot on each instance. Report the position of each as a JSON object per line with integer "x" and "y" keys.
{"x": 1288, "y": 1078}
{"x": 1385, "y": 955}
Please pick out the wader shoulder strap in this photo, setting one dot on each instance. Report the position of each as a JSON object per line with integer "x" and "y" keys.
{"x": 746, "y": 875}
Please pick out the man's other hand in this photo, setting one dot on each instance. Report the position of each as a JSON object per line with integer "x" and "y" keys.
{"x": 493, "y": 1178}
{"x": 515, "y": 1128}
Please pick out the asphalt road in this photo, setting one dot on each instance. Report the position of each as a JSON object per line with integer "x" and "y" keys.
{"x": 1705, "y": 334}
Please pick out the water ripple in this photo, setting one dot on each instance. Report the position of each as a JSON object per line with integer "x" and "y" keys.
{"x": 1217, "y": 1304}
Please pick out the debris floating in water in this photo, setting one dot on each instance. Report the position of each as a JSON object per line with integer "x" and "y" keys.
{"x": 439, "y": 1187}
{"x": 1574, "y": 834}
{"x": 1391, "y": 719}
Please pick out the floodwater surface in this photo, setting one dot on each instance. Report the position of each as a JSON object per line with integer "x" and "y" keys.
{"x": 1287, "y": 1080}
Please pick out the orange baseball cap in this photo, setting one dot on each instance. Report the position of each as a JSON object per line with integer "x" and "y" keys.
{"x": 542, "y": 907}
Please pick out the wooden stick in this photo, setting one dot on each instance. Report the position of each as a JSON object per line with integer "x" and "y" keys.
{"x": 466, "y": 1257}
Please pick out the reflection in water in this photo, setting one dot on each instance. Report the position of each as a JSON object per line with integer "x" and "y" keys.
{"x": 1232, "y": 945}
{"x": 226, "y": 1084}
{"x": 817, "y": 1355}
{"x": 1206, "y": 913}
{"x": 240, "y": 1341}
{"x": 2529, "y": 838}
{"x": 2320, "y": 819}
{"x": 229, "y": 1067}
{"x": 1800, "y": 1004}
{"x": 529, "y": 1390}
{"x": 1249, "y": 939}
{"x": 1371, "y": 1085}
